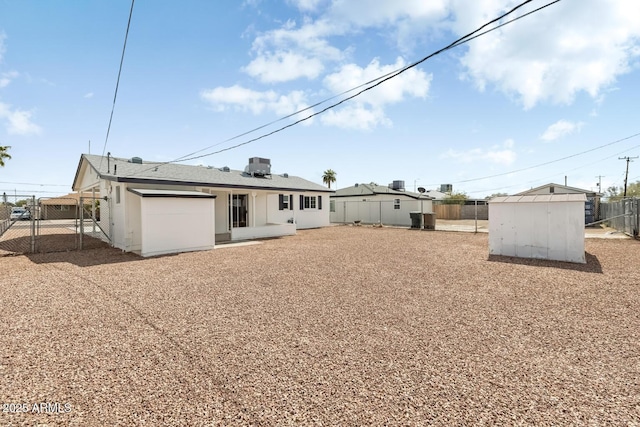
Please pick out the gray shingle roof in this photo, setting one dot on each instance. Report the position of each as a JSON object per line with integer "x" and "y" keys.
{"x": 371, "y": 190}
{"x": 123, "y": 170}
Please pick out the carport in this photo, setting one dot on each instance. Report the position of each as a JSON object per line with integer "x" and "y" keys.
{"x": 549, "y": 226}
{"x": 169, "y": 221}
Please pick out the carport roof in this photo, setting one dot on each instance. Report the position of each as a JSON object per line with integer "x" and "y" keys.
{"x": 179, "y": 174}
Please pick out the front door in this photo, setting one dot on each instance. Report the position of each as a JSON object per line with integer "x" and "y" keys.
{"x": 239, "y": 210}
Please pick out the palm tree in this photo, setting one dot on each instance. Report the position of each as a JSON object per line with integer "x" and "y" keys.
{"x": 328, "y": 177}
{"x": 4, "y": 154}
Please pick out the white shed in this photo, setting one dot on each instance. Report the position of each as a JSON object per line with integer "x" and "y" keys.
{"x": 170, "y": 221}
{"x": 539, "y": 226}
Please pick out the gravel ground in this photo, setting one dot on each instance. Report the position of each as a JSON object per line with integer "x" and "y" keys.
{"x": 336, "y": 326}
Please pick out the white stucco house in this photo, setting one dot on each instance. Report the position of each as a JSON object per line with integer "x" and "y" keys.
{"x": 156, "y": 208}
{"x": 372, "y": 204}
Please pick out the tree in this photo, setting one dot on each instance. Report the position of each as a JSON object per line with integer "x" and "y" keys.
{"x": 4, "y": 154}
{"x": 455, "y": 199}
{"x": 329, "y": 176}
{"x": 615, "y": 193}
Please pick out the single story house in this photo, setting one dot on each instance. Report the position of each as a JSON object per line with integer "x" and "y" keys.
{"x": 373, "y": 204}
{"x": 592, "y": 204}
{"x": 155, "y": 208}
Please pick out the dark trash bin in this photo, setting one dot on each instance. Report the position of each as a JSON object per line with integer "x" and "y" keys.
{"x": 416, "y": 219}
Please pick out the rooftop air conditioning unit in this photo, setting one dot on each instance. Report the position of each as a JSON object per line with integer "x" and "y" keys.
{"x": 397, "y": 185}
{"x": 258, "y": 166}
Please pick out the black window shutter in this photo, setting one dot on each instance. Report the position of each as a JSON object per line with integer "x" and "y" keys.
{"x": 290, "y": 202}
{"x": 320, "y": 202}
{"x": 281, "y": 201}
{"x": 301, "y": 202}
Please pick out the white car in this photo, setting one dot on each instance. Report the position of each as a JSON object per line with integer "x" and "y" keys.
{"x": 20, "y": 213}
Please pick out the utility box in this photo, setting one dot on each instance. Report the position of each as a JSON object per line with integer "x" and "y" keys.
{"x": 549, "y": 226}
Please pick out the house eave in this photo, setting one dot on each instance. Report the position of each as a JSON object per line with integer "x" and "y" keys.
{"x": 130, "y": 180}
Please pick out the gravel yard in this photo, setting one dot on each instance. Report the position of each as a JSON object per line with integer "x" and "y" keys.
{"x": 337, "y": 326}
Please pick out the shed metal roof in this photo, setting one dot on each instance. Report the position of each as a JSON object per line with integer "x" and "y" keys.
{"x": 540, "y": 198}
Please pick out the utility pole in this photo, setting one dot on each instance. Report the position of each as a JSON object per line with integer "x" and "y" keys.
{"x": 599, "y": 183}
{"x": 626, "y": 175}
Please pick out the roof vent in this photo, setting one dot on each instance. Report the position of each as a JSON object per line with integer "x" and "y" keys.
{"x": 137, "y": 160}
{"x": 258, "y": 167}
{"x": 225, "y": 169}
{"x": 356, "y": 184}
{"x": 397, "y": 185}
{"x": 285, "y": 175}
{"x": 209, "y": 167}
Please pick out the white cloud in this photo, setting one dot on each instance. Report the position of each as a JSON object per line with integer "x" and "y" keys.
{"x": 366, "y": 111}
{"x": 283, "y": 66}
{"x": 6, "y": 78}
{"x": 88, "y": 95}
{"x": 552, "y": 55}
{"x": 498, "y": 154}
{"x": 355, "y": 116}
{"x": 243, "y": 99}
{"x": 18, "y": 121}
{"x": 559, "y": 129}
{"x": 305, "y": 5}
{"x": 292, "y": 51}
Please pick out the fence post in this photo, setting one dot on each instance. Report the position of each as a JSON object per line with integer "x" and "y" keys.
{"x": 81, "y": 207}
{"x": 33, "y": 224}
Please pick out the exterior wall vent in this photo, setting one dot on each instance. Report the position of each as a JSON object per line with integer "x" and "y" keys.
{"x": 137, "y": 160}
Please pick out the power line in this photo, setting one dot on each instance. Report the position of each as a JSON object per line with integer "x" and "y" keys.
{"x": 115, "y": 94}
{"x": 377, "y": 81}
{"x": 546, "y": 163}
{"x": 599, "y": 161}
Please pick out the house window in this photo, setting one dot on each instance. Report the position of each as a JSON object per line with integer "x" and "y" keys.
{"x": 117, "y": 194}
{"x": 332, "y": 205}
{"x": 396, "y": 203}
{"x": 310, "y": 202}
{"x": 284, "y": 202}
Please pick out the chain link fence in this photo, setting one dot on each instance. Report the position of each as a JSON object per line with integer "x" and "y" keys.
{"x": 52, "y": 224}
{"x": 623, "y": 215}
{"x": 17, "y": 224}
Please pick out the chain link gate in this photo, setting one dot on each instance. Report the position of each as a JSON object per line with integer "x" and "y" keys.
{"x": 51, "y": 224}
{"x": 17, "y": 224}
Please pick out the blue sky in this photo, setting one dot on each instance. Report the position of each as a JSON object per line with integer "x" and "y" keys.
{"x": 551, "y": 85}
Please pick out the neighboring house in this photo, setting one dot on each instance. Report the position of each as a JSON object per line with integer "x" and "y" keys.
{"x": 372, "y": 204}
{"x": 592, "y": 205}
{"x": 154, "y": 208}
{"x": 64, "y": 207}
